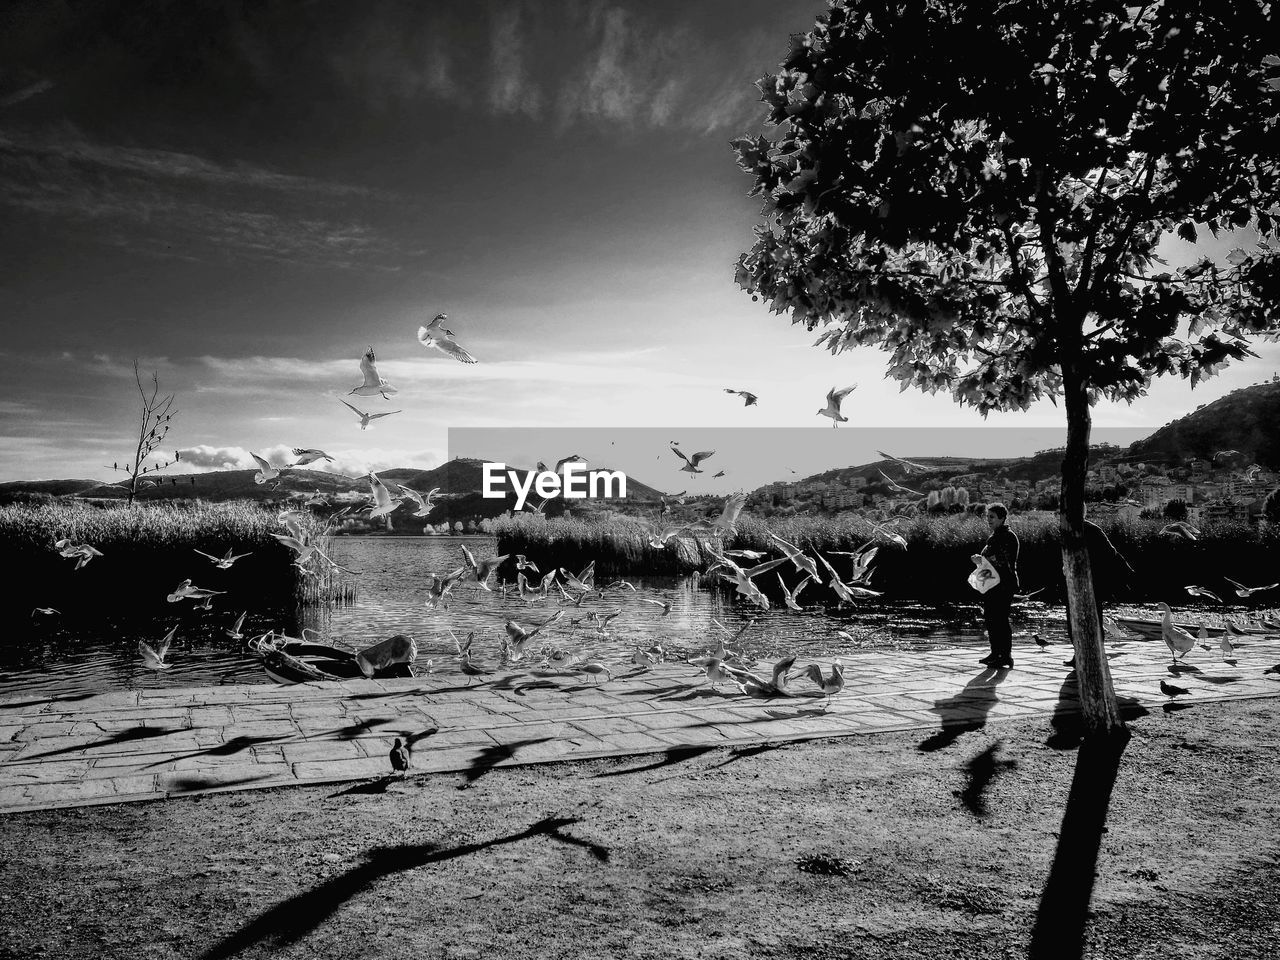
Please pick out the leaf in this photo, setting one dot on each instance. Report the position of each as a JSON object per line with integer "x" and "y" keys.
{"x": 1187, "y": 231}
{"x": 1237, "y": 257}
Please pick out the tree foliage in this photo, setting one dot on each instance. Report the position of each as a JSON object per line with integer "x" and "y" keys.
{"x": 979, "y": 189}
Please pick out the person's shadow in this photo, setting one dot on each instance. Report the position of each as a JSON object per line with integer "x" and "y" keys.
{"x": 965, "y": 711}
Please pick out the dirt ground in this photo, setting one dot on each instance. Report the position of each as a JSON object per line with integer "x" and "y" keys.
{"x": 897, "y": 845}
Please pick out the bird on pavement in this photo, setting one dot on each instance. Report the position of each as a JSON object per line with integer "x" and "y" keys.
{"x": 832, "y": 409}
{"x": 829, "y": 686}
{"x": 1176, "y": 639}
{"x": 399, "y": 757}
{"x": 1172, "y": 689}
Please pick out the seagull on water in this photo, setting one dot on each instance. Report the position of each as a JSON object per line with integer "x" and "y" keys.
{"x": 664, "y": 604}
{"x": 747, "y": 396}
{"x": 691, "y": 463}
{"x": 367, "y": 418}
{"x": 440, "y": 588}
{"x": 306, "y": 456}
{"x": 374, "y": 385}
{"x": 435, "y": 335}
{"x": 832, "y": 409}
{"x": 153, "y": 657}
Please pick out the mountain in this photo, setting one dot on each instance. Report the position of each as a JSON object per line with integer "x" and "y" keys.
{"x": 1247, "y": 420}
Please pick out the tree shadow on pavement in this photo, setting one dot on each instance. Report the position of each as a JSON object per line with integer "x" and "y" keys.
{"x": 290, "y": 921}
{"x": 1063, "y": 913}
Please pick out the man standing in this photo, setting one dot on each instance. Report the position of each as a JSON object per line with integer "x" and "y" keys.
{"x": 1001, "y": 551}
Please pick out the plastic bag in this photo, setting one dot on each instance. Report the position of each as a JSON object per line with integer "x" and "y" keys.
{"x": 984, "y": 575}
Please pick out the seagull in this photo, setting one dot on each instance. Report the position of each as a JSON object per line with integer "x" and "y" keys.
{"x": 747, "y": 396}
{"x": 153, "y": 657}
{"x": 81, "y": 551}
{"x": 725, "y": 525}
{"x": 847, "y": 591}
{"x": 1176, "y": 639}
{"x": 484, "y": 569}
{"x": 521, "y": 635}
{"x": 717, "y": 476}
{"x": 862, "y": 560}
{"x": 1197, "y": 591}
{"x": 46, "y": 611}
{"x": 306, "y": 456}
{"x": 594, "y": 667}
{"x": 234, "y": 632}
{"x": 664, "y": 604}
{"x": 830, "y": 686}
{"x": 907, "y": 465}
{"x": 1224, "y": 642}
{"x": 186, "y": 591}
{"x": 522, "y": 563}
{"x": 742, "y": 578}
{"x": 1243, "y": 591}
{"x": 897, "y": 487}
{"x": 422, "y": 500}
{"x": 804, "y": 563}
{"x": 439, "y": 588}
{"x": 584, "y": 581}
{"x": 1172, "y": 689}
{"x": 436, "y": 336}
{"x": 790, "y": 596}
{"x": 304, "y": 552}
{"x": 470, "y": 669}
{"x": 571, "y": 458}
{"x": 224, "y": 562}
{"x": 658, "y": 538}
{"x": 1226, "y": 454}
{"x": 399, "y": 757}
{"x": 366, "y": 418}
{"x": 383, "y": 502}
{"x": 889, "y": 535}
{"x": 691, "y": 463}
{"x": 1180, "y": 529}
{"x": 374, "y": 385}
{"x": 832, "y": 409}
{"x": 746, "y": 554}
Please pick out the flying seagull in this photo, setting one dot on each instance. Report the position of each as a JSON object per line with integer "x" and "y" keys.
{"x": 747, "y": 396}
{"x": 374, "y": 385}
{"x": 422, "y": 500}
{"x": 436, "y": 336}
{"x": 383, "y": 502}
{"x": 365, "y": 418}
{"x": 265, "y": 470}
{"x": 153, "y": 657}
{"x": 907, "y": 465}
{"x": 224, "y": 562}
{"x": 306, "y": 456}
{"x": 691, "y": 463}
{"x": 1243, "y": 591}
{"x": 897, "y": 487}
{"x": 1180, "y": 529}
{"x": 832, "y": 409}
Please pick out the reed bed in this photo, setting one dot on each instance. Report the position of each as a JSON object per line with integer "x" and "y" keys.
{"x": 147, "y": 550}
{"x": 934, "y": 566}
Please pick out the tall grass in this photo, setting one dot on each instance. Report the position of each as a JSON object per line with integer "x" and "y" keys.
{"x": 935, "y": 564}
{"x": 147, "y": 550}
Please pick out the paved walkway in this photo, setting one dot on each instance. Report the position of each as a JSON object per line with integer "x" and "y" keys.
{"x": 146, "y": 745}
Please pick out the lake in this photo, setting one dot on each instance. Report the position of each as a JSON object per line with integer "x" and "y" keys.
{"x": 80, "y": 651}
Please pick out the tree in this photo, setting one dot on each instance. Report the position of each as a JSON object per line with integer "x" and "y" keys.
{"x": 154, "y": 418}
{"x": 979, "y": 190}
{"x": 1175, "y": 510}
{"x": 1271, "y": 506}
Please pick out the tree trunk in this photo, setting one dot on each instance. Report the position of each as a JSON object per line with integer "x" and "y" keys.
{"x": 1097, "y": 694}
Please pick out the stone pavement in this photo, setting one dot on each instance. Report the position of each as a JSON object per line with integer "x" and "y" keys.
{"x": 146, "y": 745}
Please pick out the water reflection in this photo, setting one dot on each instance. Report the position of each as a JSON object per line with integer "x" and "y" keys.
{"x": 80, "y": 651}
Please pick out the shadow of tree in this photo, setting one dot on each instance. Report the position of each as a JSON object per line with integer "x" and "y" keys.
{"x": 965, "y": 711}
{"x": 195, "y": 781}
{"x": 1063, "y": 912}
{"x": 1067, "y": 721}
{"x": 288, "y": 922}
{"x": 981, "y": 770}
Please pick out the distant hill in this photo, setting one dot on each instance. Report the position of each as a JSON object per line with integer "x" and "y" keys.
{"x": 1247, "y": 420}
{"x": 55, "y": 488}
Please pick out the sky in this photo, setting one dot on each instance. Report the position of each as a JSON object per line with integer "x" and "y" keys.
{"x": 244, "y": 197}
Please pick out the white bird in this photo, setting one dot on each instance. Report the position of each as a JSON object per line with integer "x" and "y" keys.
{"x": 1198, "y": 591}
{"x": 484, "y": 569}
{"x": 889, "y": 535}
{"x": 846, "y": 591}
{"x": 584, "y": 581}
{"x": 81, "y": 551}
{"x": 907, "y": 465}
{"x": 790, "y": 597}
{"x": 440, "y": 588}
{"x": 746, "y": 554}
{"x": 832, "y": 409}
{"x": 521, "y": 635}
{"x": 185, "y": 591}
{"x": 153, "y": 658}
{"x": 595, "y": 668}
{"x": 747, "y": 396}
{"x": 664, "y": 604}
{"x": 224, "y": 562}
{"x": 1180, "y": 529}
{"x": 1224, "y": 642}
{"x": 366, "y": 418}
{"x": 422, "y": 500}
{"x": 436, "y": 336}
{"x": 804, "y": 563}
{"x": 830, "y": 686}
{"x": 306, "y": 456}
{"x": 1243, "y": 591}
{"x": 265, "y": 470}
{"x": 302, "y": 552}
{"x": 383, "y": 502}
{"x": 1176, "y": 639}
{"x": 234, "y": 632}
{"x": 862, "y": 559}
{"x": 658, "y": 538}
{"x": 46, "y": 612}
{"x": 523, "y": 563}
{"x": 896, "y": 487}
{"x": 742, "y": 578}
{"x": 374, "y": 385}
{"x": 726, "y": 525}
{"x": 691, "y": 463}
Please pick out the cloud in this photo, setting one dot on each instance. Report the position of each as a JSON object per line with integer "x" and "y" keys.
{"x": 180, "y": 206}
{"x": 510, "y": 89}
{"x": 203, "y": 458}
